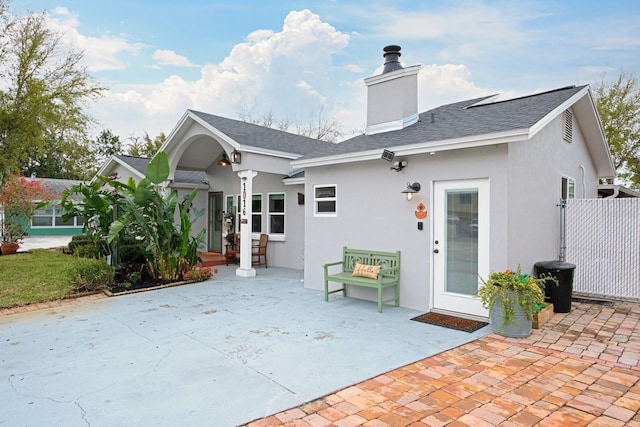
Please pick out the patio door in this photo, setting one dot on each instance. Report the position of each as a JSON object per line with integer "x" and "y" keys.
{"x": 460, "y": 245}
{"x": 215, "y": 222}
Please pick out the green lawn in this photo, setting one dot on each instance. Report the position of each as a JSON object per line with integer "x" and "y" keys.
{"x": 38, "y": 276}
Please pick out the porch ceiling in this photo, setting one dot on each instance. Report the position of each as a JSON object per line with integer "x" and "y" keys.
{"x": 200, "y": 154}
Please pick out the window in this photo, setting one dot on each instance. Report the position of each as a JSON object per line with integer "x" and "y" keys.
{"x": 256, "y": 213}
{"x": 568, "y": 188}
{"x": 238, "y": 213}
{"x": 229, "y": 208}
{"x": 276, "y": 213}
{"x": 51, "y": 216}
{"x": 324, "y": 200}
{"x": 43, "y": 217}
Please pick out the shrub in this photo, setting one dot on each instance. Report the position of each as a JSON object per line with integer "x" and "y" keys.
{"x": 92, "y": 275}
{"x": 85, "y": 246}
{"x": 198, "y": 274}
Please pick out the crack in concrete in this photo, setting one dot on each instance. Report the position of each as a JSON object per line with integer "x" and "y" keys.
{"x": 83, "y": 412}
{"x": 244, "y": 362}
{"x": 75, "y": 402}
{"x": 155, "y": 367}
{"x": 127, "y": 326}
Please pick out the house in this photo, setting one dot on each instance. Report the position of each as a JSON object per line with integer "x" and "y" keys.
{"x": 47, "y": 221}
{"x": 242, "y": 170}
{"x": 460, "y": 190}
{"x": 486, "y": 178}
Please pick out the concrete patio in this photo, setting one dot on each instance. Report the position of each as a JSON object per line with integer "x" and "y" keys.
{"x": 222, "y": 352}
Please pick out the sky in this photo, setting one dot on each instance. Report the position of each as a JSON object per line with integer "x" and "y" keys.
{"x": 302, "y": 59}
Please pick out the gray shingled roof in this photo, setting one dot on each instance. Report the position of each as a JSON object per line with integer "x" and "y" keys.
{"x": 458, "y": 120}
{"x": 252, "y": 135}
{"x": 181, "y": 175}
{"x": 57, "y": 186}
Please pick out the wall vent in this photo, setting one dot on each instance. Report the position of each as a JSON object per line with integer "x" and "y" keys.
{"x": 568, "y": 125}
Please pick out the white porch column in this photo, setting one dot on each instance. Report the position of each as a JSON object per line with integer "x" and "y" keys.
{"x": 246, "y": 190}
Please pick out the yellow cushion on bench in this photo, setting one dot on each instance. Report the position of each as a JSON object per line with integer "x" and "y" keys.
{"x": 363, "y": 270}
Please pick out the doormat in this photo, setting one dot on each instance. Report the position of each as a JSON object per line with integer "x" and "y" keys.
{"x": 451, "y": 322}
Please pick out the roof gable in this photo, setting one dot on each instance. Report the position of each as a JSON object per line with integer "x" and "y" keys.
{"x": 138, "y": 165}
{"x": 256, "y": 136}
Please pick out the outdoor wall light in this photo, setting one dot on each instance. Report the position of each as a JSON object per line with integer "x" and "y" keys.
{"x": 236, "y": 157}
{"x": 224, "y": 161}
{"x": 411, "y": 190}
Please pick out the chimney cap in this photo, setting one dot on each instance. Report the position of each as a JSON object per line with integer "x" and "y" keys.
{"x": 392, "y": 48}
{"x": 391, "y": 56}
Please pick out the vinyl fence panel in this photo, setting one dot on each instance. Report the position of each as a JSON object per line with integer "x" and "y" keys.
{"x": 603, "y": 241}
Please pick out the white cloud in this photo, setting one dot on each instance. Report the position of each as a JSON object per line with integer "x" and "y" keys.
{"x": 442, "y": 84}
{"x": 285, "y": 71}
{"x": 354, "y": 68}
{"x": 100, "y": 53}
{"x": 290, "y": 72}
{"x": 169, "y": 57}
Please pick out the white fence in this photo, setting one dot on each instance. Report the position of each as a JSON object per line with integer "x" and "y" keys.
{"x": 603, "y": 241}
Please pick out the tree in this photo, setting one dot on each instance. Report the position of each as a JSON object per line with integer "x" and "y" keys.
{"x": 618, "y": 105}
{"x": 314, "y": 126}
{"x": 18, "y": 199}
{"x": 147, "y": 147}
{"x": 320, "y": 128}
{"x": 61, "y": 159}
{"x": 43, "y": 89}
{"x": 107, "y": 144}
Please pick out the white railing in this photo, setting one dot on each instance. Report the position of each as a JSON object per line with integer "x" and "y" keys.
{"x": 603, "y": 241}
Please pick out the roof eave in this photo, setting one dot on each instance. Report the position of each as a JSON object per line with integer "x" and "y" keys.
{"x": 595, "y": 137}
{"x": 582, "y": 103}
{"x": 420, "y": 148}
{"x": 114, "y": 160}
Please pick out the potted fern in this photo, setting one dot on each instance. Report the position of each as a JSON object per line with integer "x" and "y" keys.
{"x": 511, "y": 298}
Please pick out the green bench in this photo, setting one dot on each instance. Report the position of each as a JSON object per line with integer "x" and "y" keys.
{"x": 388, "y": 275}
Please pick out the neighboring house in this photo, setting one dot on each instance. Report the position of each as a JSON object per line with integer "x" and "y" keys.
{"x": 48, "y": 221}
{"x": 606, "y": 191}
{"x": 487, "y": 177}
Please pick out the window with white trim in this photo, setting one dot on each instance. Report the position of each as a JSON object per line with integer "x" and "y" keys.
{"x": 568, "y": 188}
{"x": 51, "y": 216}
{"x": 276, "y": 213}
{"x": 256, "y": 213}
{"x": 325, "y": 200}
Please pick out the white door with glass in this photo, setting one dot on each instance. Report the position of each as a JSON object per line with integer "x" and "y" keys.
{"x": 460, "y": 244}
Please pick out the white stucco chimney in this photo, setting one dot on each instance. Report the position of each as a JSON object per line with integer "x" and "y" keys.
{"x": 392, "y": 97}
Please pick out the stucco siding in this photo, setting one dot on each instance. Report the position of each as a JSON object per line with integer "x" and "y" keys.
{"x": 536, "y": 168}
{"x": 373, "y": 214}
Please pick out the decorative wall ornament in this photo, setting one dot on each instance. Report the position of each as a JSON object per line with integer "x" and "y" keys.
{"x": 421, "y": 211}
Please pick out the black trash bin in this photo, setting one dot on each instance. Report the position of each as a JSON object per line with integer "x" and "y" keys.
{"x": 559, "y": 295}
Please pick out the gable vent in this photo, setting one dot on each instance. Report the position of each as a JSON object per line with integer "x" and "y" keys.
{"x": 568, "y": 125}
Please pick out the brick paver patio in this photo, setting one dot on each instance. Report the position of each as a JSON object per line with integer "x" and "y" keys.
{"x": 581, "y": 369}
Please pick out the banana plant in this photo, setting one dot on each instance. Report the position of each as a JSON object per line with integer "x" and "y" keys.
{"x": 149, "y": 217}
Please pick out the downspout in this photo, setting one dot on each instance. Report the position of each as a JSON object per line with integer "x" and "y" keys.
{"x": 584, "y": 187}
{"x": 563, "y": 225}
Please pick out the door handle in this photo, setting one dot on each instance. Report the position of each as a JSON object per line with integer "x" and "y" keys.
{"x": 435, "y": 251}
